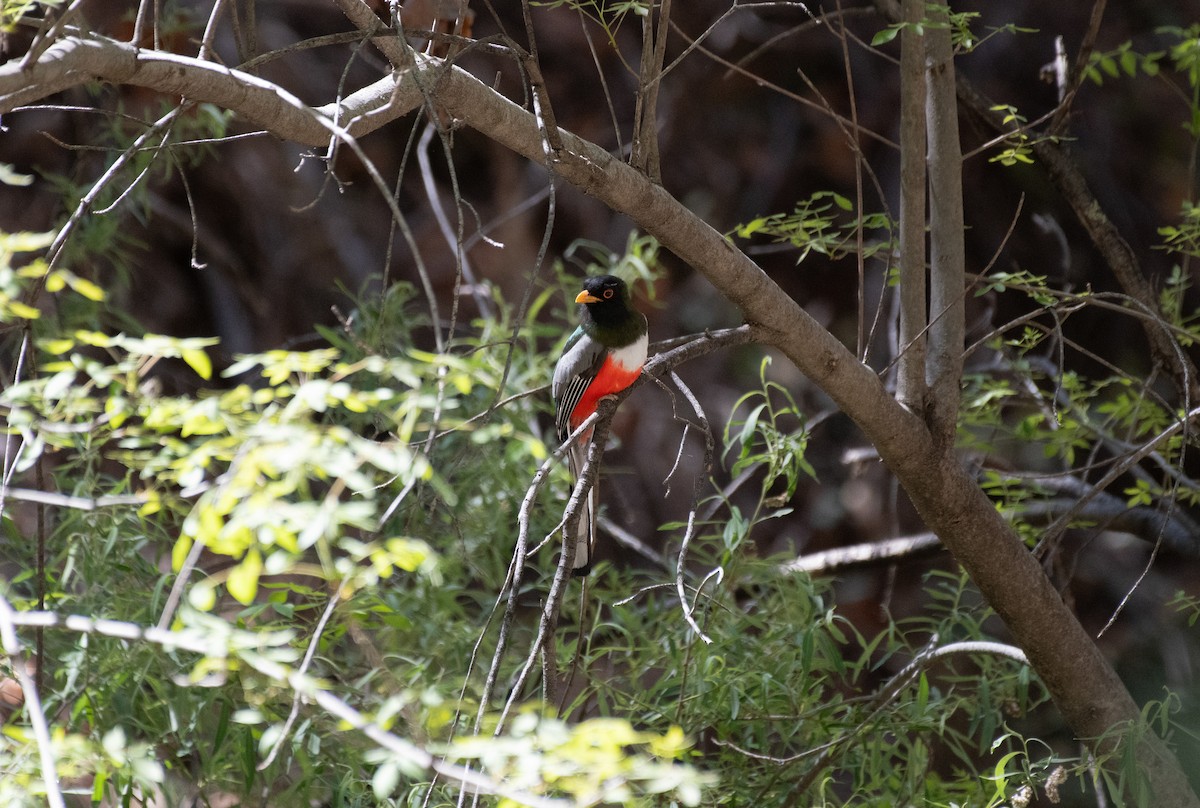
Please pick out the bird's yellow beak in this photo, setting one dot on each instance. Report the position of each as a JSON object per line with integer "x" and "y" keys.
{"x": 586, "y": 297}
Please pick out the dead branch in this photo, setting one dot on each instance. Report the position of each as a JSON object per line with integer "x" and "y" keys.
{"x": 888, "y": 551}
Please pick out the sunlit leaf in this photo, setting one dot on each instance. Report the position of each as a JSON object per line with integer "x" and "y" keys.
{"x": 9, "y": 176}
{"x": 199, "y": 361}
{"x": 242, "y": 582}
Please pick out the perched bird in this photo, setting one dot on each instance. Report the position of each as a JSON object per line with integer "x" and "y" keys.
{"x": 604, "y": 356}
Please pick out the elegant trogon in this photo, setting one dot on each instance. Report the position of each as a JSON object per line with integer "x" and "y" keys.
{"x": 604, "y": 356}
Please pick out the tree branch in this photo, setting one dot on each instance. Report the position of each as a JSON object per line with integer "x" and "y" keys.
{"x": 946, "y": 250}
{"x": 1112, "y": 246}
{"x": 830, "y": 561}
{"x": 76, "y": 60}
{"x": 910, "y": 380}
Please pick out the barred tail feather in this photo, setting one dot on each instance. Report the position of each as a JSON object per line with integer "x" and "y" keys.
{"x": 585, "y": 531}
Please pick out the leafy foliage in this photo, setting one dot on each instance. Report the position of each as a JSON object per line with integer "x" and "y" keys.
{"x": 817, "y": 226}
{"x": 318, "y": 474}
{"x": 378, "y": 490}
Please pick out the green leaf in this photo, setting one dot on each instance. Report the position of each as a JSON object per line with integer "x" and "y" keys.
{"x": 179, "y": 552}
{"x": 25, "y": 241}
{"x": 885, "y": 36}
{"x": 385, "y": 780}
{"x": 22, "y": 310}
{"x": 751, "y": 227}
{"x": 203, "y": 597}
{"x": 242, "y": 582}
{"x": 9, "y": 176}
{"x": 86, "y": 288}
{"x": 1129, "y": 62}
{"x": 199, "y": 361}
{"x": 57, "y": 347}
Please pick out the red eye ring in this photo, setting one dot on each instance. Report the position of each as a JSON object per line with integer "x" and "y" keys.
{"x": 608, "y": 293}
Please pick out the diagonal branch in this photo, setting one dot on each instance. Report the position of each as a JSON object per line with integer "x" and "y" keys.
{"x": 1112, "y": 246}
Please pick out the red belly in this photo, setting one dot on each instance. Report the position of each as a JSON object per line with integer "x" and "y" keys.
{"x": 612, "y": 378}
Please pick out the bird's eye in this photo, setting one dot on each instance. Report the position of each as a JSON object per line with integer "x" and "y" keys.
{"x": 608, "y": 293}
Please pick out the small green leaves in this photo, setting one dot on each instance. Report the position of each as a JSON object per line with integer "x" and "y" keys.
{"x": 277, "y": 469}
{"x": 23, "y": 242}
{"x": 959, "y": 23}
{"x": 18, "y": 284}
{"x": 1183, "y": 238}
{"x": 1034, "y": 286}
{"x": 1122, "y": 60}
{"x": 1017, "y": 144}
{"x": 818, "y": 226}
{"x": 764, "y": 437}
{"x": 278, "y": 366}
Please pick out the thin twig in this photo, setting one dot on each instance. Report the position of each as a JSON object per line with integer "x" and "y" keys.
{"x": 548, "y": 623}
{"x": 33, "y": 702}
{"x": 786, "y": 93}
{"x": 58, "y": 500}
{"x": 840, "y": 558}
{"x": 49, "y": 32}
{"x": 516, "y": 568}
{"x": 313, "y": 642}
{"x": 689, "y": 532}
{"x": 1078, "y": 71}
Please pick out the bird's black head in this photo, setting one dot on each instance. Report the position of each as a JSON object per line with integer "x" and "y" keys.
{"x": 606, "y": 298}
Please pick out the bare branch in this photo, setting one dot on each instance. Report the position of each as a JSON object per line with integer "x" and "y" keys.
{"x": 690, "y": 531}
{"x": 393, "y": 46}
{"x": 1068, "y": 91}
{"x": 548, "y": 623}
{"x": 858, "y": 555}
{"x": 644, "y": 155}
{"x": 15, "y": 651}
{"x": 946, "y": 252}
{"x": 910, "y": 379}
{"x": 313, "y": 643}
{"x": 1113, "y": 247}
{"x": 1085, "y": 502}
{"x": 517, "y": 567}
{"x": 58, "y": 500}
